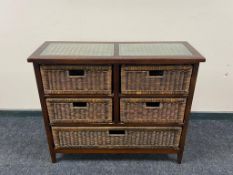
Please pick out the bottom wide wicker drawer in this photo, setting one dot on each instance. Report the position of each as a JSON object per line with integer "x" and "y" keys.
{"x": 116, "y": 137}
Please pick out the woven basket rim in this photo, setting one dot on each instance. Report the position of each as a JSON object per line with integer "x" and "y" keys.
{"x": 70, "y": 67}
{"x": 105, "y": 128}
{"x": 169, "y": 100}
{"x": 67, "y": 100}
{"x": 157, "y": 67}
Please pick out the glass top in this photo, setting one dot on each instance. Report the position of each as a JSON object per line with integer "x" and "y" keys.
{"x": 79, "y": 49}
{"x": 107, "y": 49}
{"x": 153, "y": 49}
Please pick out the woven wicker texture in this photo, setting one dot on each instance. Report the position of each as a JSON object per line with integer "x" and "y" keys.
{"x": 137, "y": 79}
{"x": 65, "y": 110}
{"x": 79, "y": 49}
{"x": 99, "y": 137}
{"x": 154, "y": 49}
{"x": 140, "y": 110}
{"x": 95, "y": 80}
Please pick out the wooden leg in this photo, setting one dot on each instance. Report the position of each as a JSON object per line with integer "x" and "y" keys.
{"x": 180, "y": 156}
{"x": 45, "y": 112}
{"x": 53, "y": 157}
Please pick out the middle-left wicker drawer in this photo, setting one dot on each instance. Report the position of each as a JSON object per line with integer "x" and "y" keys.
{"x": 76, "y": 79}
{"x": 77, "y": 110}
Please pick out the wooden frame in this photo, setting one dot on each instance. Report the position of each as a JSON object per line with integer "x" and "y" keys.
{"x": 116, "y": 62}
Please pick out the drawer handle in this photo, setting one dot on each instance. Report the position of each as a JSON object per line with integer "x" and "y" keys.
{"x": 116, "y": 132}
{"x": 156, "y": 73}
{"x": 76, "y": 72}
{"x": 153, "y": 104}
{"x": 80, "y": 104}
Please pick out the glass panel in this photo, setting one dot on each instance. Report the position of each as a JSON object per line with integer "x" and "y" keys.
{"x": 153, "y": 49}
{"x": 79, "y": 49}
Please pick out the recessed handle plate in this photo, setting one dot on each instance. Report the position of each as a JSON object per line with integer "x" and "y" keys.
{"x": 156, "y": 73}
{"x": 116, "y": 132}
{"x": 153, "y": 104}
{"x": 77, "y": 73}
{"x": 80, "y": 104}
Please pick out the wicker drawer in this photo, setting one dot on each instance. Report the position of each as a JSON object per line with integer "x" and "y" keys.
{"x": 116, "y": 137}
{"x": 76, "y": 79}
{"x": 76, "y": 110}
{"x": 156, "y": 79}
{"x": 139, "y": 110}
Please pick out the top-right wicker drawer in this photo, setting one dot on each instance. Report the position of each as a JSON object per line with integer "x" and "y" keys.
{"x": 155, "y": 79}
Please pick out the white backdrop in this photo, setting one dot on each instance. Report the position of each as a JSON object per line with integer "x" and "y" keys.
{"x": 207, "y": 25}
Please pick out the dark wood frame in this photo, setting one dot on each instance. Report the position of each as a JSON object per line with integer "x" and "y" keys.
{"x": 116, "y": 61}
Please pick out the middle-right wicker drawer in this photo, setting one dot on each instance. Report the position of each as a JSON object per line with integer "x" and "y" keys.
{"x": 152, "y": 110}
{"x": 155, "y": 79}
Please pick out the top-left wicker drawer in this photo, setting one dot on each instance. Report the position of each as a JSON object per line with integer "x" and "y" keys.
{"x": 76, "y": 79}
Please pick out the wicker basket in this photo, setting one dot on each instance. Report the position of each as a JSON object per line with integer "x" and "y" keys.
{"x": 76, "y": 79}
{"x": 116, "y": 137}
{"x": 156, "y": 79}
{"x": 89, "y": 110}
{"x": 141, "y": 110}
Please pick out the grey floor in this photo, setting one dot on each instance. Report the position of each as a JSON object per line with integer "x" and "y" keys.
{"x": 23, "y": 150}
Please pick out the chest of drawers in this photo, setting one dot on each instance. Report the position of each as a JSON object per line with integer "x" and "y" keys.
{"x": 116, "y": 97}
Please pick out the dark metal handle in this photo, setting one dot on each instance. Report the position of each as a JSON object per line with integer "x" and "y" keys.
{"x": 116, "y": 132}
{"x": 80, "y": 104}
{"x": 156, "y": 73}
{"x": 76, "y": 72}
{"x": 153, "y": 104}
